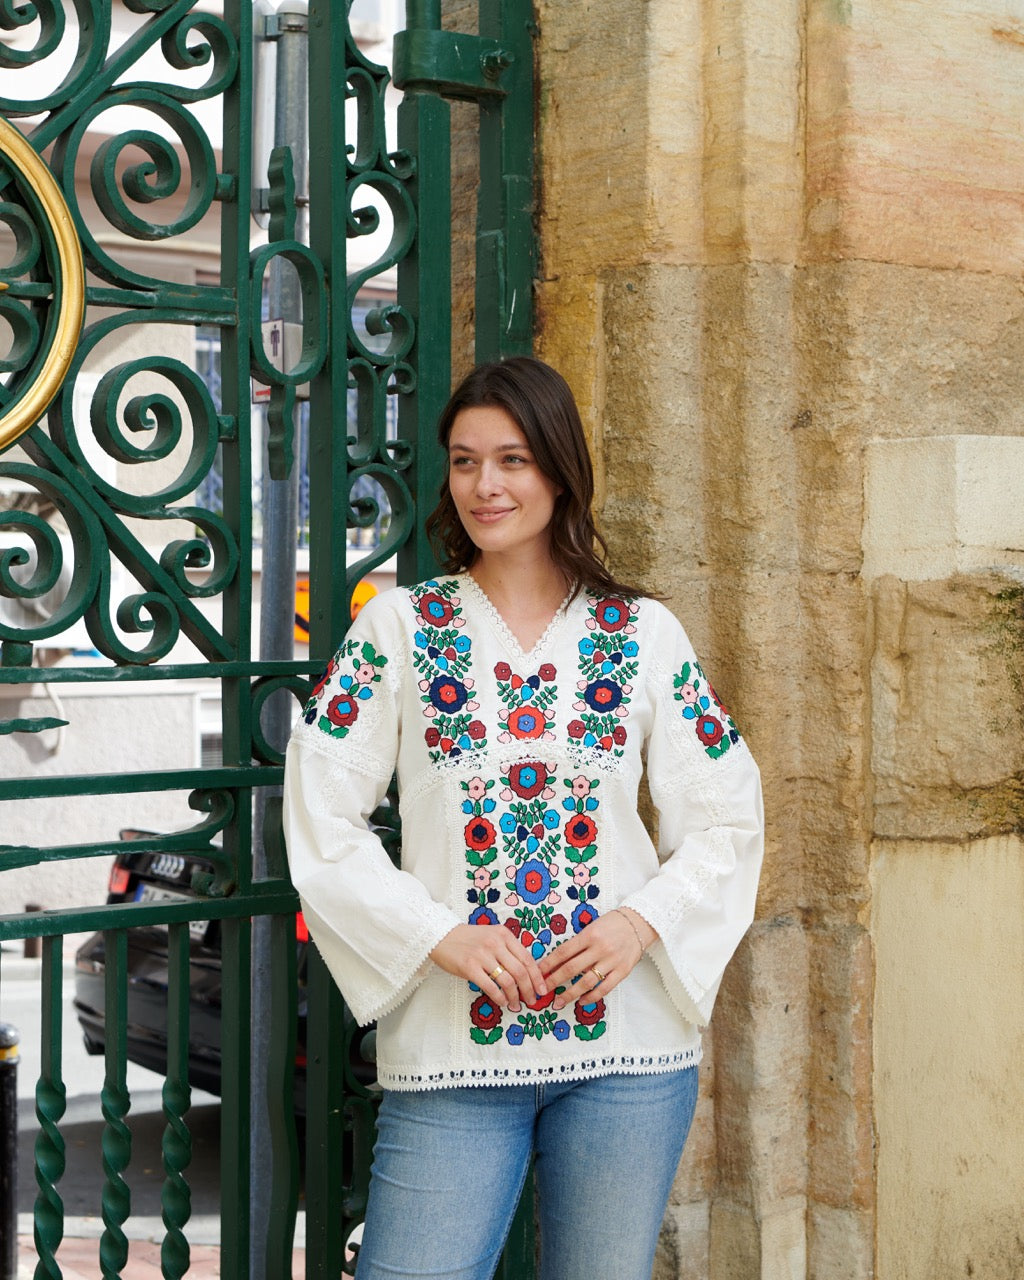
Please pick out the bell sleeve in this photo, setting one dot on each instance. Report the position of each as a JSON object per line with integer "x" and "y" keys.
{"x": 707, "y": 791}
{"x": 374, "y": 924}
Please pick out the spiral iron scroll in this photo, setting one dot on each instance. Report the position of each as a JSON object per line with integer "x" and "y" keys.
{"x": 47, "y": 356}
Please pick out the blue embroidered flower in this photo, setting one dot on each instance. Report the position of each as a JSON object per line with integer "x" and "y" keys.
{"x": 587, "y": 646}
{"x": 583, "y": 915}
{"x": 508, "y": 823}
{"x": 602, "y": 695}
{"x": 448, "y": 694}
{"x": 515, "y": 1034}
{"x": 483, "y": 915}
{"x": 533, "y": 881}
{"x": 463, "y": 643}
{"x": 561, "y": 1029}
{"x": 551, "y": 819}
{"x": 630, "y": 649}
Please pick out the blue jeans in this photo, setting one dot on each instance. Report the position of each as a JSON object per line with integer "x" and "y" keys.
{"x": 449, "y": 1166}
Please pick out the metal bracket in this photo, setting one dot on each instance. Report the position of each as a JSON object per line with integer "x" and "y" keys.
{"x": 451, "y": 63}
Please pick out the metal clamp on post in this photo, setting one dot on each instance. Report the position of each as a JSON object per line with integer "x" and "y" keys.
{"x": 451, "y": 63}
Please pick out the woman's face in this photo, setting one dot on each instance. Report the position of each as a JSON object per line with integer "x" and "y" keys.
{"x": 504, "y": 500}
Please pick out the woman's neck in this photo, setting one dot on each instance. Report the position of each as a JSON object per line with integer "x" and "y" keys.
{"x": 526, "y": 592}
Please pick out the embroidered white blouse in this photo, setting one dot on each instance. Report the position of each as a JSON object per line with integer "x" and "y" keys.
{"x": 518, "y": 777}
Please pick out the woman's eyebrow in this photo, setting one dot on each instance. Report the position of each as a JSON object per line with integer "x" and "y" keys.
{"x": 514, "y": 447}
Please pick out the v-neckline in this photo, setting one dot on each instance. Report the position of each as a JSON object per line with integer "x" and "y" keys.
{"x": 504, "y": 631}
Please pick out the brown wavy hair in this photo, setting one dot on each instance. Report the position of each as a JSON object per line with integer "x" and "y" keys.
{"x": 539, "y": 401}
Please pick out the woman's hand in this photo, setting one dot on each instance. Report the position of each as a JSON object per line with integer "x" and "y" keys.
{"x": 602, "y": 954}
{"x": 489, "y": 956}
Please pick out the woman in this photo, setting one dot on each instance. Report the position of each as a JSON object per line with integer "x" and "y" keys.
{"x": 539, "y": 970}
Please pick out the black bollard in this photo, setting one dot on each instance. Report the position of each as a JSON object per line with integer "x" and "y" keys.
{"x": 9, "y": 1040}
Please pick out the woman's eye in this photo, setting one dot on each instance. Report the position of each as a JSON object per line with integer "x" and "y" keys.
{"x": 514, "y": 457}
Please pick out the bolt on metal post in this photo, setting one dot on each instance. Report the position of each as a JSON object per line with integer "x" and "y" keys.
{"x": 9, "y": 1041}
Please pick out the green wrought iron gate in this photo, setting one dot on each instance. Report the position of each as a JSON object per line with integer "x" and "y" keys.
{"x": 127, "y": 515}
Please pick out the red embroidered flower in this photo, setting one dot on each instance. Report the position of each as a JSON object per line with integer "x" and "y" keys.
{"x": 503, "y": 671}
{"x": 580, "y": 831}
{"x": 709, "y": 730}
{"x": 342, "y": 710}
{"x": 318, "y": 688}
{"x": 476, "y": 729}
{"x": 514, "y": 927}
{"x": 547, "y": 671}
{"x": 484, "y": 1013}
{"x": 577, "y": 728}
{"x": 528, "y": 779}
{"x": 618, "y": 735}
{"x": 480, "y": 834}
{"x": 432, "y": 736}
{"x": 435, "y": 609}
{"x": 589, "y": 1011}
{"x": 612, "y": 614}
{"x": 558, "y": 924}
{"x": 526, "y": 722}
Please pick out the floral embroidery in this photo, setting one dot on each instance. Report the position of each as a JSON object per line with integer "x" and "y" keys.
{"x": 548, "y": 854}
{"x": 714, "y": 728}
{"x": 443, "y": 660}
{"x": 355, "y": 688}
{"x": 608, "y": 665}
{"x": 527, "y": 703}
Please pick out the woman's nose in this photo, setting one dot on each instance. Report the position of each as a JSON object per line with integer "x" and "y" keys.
{"x": 488, "y": 479}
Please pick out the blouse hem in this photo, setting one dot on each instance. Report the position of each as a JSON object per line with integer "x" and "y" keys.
{"x": 617, "y": 1064}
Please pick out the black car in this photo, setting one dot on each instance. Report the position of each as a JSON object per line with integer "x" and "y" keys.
{"x": 168, "y": 877}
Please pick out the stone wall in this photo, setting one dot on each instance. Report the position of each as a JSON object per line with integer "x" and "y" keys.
{"x": 781, "y": 248}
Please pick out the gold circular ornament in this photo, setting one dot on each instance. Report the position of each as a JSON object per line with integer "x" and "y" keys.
{"x": 68, "y": 287}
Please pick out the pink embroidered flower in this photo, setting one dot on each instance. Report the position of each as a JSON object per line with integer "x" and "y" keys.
{"x": 580, "y": 787}
{"x": 688, "y": 694}
{"x": 477, "y": 788}
{"x": 366, "y": 673}
{"x": 482, "y": 878}
{"x": 581, "y": 875}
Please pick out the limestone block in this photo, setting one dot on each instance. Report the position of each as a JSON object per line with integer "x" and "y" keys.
{"x": 840, "y": 1243}
{"x": 760, "y": 1068}
{"x": 753, "y": 172}
{"x": 770, "y": 1248}
{"x": 841, "y": 1140}
{"x": 948, "y": 934}
{"x": 683, "y": 1244}
{"x": 593, "y": 128}
{"x": 948, "y": 707}
{"x": 944, "y": 505}
{"x": 903, "y": 164}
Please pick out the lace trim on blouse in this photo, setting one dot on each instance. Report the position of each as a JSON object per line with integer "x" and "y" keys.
{"x": 501, "y": 627}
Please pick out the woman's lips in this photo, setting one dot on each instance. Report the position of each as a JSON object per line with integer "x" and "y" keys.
{"x": 490, "y": 516}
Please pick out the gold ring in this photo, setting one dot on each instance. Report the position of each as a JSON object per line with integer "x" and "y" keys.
{"x": 600, "y": 975}
{"x": 496, "y": 973}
